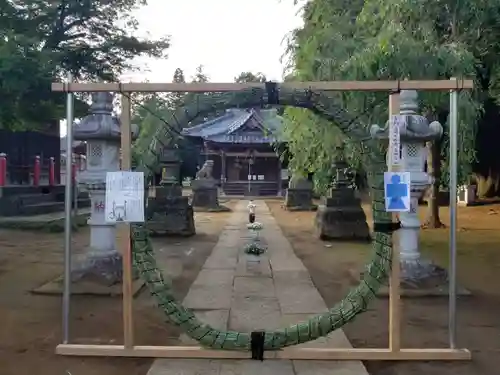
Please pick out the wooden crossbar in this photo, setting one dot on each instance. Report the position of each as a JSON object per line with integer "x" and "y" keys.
{"x": 438, "y": 85}
{"x": 346, "y": 354}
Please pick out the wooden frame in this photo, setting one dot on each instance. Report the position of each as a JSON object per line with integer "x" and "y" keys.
{"x": 393, "y": 353}
{"x": 438, "y": 85}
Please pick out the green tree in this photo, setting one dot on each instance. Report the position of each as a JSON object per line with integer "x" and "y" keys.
{"x": 250, "y": 77}
{"x": 91, "y": 39}
{"x": 375, "y": 39}
{"x": 177, "y": 99}
{"x": 24, "y": 77}
{"x": 200, "y": 76}
{"x": 151, "y": 115}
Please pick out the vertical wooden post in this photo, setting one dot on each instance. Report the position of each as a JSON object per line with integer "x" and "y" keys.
{"x": 3, "y": 169}
{"x": 52, "y": 171}
{"x": 36, "y": 171}
{"x": 74, "y": 171}
{"x": 223, "y": 169}
{"x": 394, "y": 280}
{"x": 124, "y": 228}
{"x": 280, "y": 182}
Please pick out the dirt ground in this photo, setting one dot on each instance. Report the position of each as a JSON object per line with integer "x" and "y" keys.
{"x": 425, "y": 321}
{"x": 30, "y": 325}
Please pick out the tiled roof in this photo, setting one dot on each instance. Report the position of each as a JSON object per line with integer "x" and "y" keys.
{"x": 265, "y": 127}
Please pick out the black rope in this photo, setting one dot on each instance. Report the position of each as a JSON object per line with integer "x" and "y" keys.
{"x": 387, "y": 227}
{"x": 398, "y": 89}
{"x": 257, "y": 345}
{"x": 273, "y": 96}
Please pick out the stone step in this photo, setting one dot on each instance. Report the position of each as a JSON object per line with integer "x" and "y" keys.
{"x": 53, "y": 222}
{"x": 29, "y": 199}
{"x": 244, "y": 192}
{"x": 47, "y": 207}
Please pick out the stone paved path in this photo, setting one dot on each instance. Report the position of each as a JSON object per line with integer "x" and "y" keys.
{"x": 241, "y": 292}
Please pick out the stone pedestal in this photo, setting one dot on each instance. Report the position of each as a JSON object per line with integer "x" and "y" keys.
{"x": 299, "y": 196}
{"x": 206, "y": 196}
{"x": 467, "y": 195}
{"x": 169, "y": 213}
{"x": 340, "y": 217}
{"x": 102, "y": 262}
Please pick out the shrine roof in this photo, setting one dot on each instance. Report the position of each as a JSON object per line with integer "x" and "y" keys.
{"x": 240, "y": 126}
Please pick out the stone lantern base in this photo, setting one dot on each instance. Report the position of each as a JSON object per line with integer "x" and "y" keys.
{"x": 299, "y": 196}
{"x": 424, "y": 278}
{"x": 170, "y": 215}
{"x": 420, "y": 279}
{"x": 103, "y": 268}
{"x": 341, "y": 217}
{"x": 94, "y": 273}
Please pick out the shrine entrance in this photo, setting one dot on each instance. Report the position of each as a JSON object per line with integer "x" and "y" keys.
{"x": 242, "y": 345}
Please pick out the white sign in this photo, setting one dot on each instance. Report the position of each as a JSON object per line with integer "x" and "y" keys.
{"x": 395, "y": 124}
{"x": 397, "y": 191}
{"x": 124, "y": 197}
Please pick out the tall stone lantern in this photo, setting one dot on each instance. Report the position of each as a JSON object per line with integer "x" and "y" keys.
{"x": 101, "y": 130}
{"x": 415, "y": 131}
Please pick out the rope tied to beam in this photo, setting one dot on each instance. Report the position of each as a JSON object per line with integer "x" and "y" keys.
{"x": 273, "y": 95}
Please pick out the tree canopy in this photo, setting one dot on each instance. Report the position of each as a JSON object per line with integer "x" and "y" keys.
{"x": 250, "y": 77}
{"x": 40, "y": 40}
{"x": 377, "y": 39}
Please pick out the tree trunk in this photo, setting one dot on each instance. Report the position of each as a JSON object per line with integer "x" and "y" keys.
{"x": 434, "y": 170}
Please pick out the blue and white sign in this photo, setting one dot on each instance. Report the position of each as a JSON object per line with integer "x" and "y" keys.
{"x": 397, "y": 191}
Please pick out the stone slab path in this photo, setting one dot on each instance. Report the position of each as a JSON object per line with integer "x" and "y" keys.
{"x": 241, "y": 292}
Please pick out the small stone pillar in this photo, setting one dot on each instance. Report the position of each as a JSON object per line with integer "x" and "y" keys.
{"x": 340, "y": 215}
{"x": 101, "y": 130}
{"x": 415, "y": 131}
{"x": 466, "y": 195}
{"x": 168, "y": 212}
{"x": 299, "y": 194}
{"x": 205, "y": 191}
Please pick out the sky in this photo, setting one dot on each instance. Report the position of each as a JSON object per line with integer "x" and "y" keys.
{"x": 227, "y": 37}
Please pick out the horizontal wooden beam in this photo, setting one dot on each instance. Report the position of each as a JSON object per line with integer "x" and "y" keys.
{"x": 227, "y": 87}
{"x": 347, "y": 354}
{"x": 242, "y": 154}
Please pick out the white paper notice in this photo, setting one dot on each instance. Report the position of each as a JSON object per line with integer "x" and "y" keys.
{"x": 395, "y": 124}
{"x": 124, "y": 197}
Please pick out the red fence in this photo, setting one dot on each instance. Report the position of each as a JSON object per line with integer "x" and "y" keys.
{"x": 39, "y": 173}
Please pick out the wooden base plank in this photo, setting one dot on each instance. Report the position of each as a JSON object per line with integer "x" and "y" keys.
{"x": 347, "y": 354}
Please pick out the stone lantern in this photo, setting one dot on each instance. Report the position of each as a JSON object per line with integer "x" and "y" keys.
{"x": 340, "y": 215}
{"x": 299, "y": 195}
{"x": 101, "y": 130}
{"x": 168, "y": 211}
{"x": 415, "y": 131}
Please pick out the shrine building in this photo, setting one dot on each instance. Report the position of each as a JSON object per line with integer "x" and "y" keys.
{"x": 243, "y": 143}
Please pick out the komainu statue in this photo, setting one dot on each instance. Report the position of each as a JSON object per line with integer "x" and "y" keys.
{"x": 205, "y": 173}
{"x": 205, "y": 190}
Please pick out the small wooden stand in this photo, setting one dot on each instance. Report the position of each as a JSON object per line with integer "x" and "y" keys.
{"x": 393, "y": 353}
